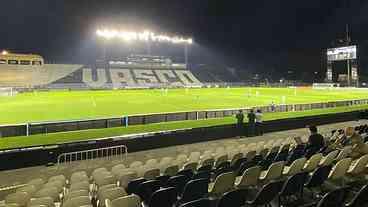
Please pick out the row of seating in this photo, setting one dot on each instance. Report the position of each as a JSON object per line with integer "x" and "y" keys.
{"x": 240, "y": 165}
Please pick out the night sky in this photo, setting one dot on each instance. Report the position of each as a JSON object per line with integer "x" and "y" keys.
{"x": 264, "y": 35}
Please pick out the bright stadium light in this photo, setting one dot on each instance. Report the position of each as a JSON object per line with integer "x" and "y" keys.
{"x": 4, "y": 52}
{"x": 142, "y": 36}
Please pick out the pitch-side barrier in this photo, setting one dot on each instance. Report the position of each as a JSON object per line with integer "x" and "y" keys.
{"x": 27, "y": 129}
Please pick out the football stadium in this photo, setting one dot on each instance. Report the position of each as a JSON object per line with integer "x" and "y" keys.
{"x": 136, "y": 117}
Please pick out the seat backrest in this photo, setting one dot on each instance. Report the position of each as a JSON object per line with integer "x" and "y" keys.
{"x": 297, "y": 166}
{"x": 124, "y": 179}
{"x": 235, "y": 198}
{"x": 151, "y": 174}
{"x": 110, "y": 194}
{"x": 194, "y": 189}
{"x": 208, "y": 162}
{"x": 105, "y": 180}
{"x": 344, "y": 153}
{"x": 178, "y": 182}
{"x": 359, "y": 166}
{"x": 319, "y": 176}
{"x": 203, "y": 202}
{"x": 146, "y": 189}
{"x": 361, "y": 198}
{"x": 165, "y": 197}
{"x": 136, "y": 164}
{"x": 250, "y": 177}
{"x": 250, "y": 155}
{"x": 340, "y": 169}
{"x": 52, "y": 192}
{"x": 59, "y": 184}
{"x": 77, "y": 193}
{"x": 267, "y": 193}
{"x": 127, "y": 201}
{"x": 221, "y": 159}
{"x": 328, "y": 159}
{"x": 77, "y": 201}
{"x": 191, "y": 165}
{"x": 84, "y": 185}
{"x": 45, "y": 201}
{"x": 313, "y": 162}
{"x": 194, "y": 156}
{"x": 275, "y": 170}
{"x": 171, "y": 170}
{"x": 333, "y": 198}
{"x": 133, "y": 185}
{"x": 151, "y": 163}
{"x": 235, "y": 158}
{"x": 294, "y": 184}
{"x": 186, "y": 172}
{"x": 20, "y": 198}
{"x": 30, "y": 189}
{"x": 223, "y": 183}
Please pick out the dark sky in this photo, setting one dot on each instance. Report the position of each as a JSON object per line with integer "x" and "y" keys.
{"x": 270, "y": 34}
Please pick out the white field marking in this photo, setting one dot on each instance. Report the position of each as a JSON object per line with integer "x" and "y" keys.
{"x": 94, "y": 102}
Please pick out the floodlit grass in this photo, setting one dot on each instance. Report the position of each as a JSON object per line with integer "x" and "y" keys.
{"x": 64, "y": 137}
{"x": 71, "y": 105}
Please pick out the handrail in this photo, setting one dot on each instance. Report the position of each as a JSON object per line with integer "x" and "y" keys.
{"x": 107, "y": 152}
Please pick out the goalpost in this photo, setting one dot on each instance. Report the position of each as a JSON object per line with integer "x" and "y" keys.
{"x": 7, "y": 91}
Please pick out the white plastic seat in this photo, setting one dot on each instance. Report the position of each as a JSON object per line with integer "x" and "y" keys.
{"x": 126, "y": 201}
{"x": 77, "y": 193}
{"x": 191, "y": 165}
{"x": 58, "y": 184}
{"x": 51, "y": 192}
{"x": 359, "y": 166}
{"x": 45, "y": 201}
{"x": 83, "y": 185}
{"x": 151, "y": 163}
{"x": 30, "y": 189}
{"x": 313, "y": 162}
{"x": 60, "y": 178}
{"x": 117, "y": 168}
{"x": 77, "y": 201}
{"x": 124, "y": 179}
{"x": 273, "y": 172}
{"x": 328, "y": 159}
{"x": 135, "y": 164}
{"x": 19, "y": 198}
{"x": 79, "y": 177}
{"x": 223, "y": 183}
{"x": 151, "y": 174}
{"x": 221, "y": 159}
{"x": 249, "y": 177}
{"x": 208, "y": 162}
{"x": 295, "y": 167}
{"x": 171, "y": 170}
{"x": 340, "y": 169}
{"x": 344, "y": 153}
{"x": 38, "y": 182}
{"x": 105, "y": 180}
{"x": 194, "y": 156}
{"x": 111, "y": 194}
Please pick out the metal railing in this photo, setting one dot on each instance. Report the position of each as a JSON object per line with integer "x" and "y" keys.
{"x": 108, "y": 153}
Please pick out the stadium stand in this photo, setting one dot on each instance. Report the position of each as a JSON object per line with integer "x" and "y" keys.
{"x": 321, "y": 179}
{"x": 130, "y": 73}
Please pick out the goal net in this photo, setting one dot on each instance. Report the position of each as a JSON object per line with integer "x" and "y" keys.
{"x": 7, "y": 91}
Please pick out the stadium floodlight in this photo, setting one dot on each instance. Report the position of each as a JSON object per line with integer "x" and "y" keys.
{"x": 142, "y": 36}
{"x": 4, "y": 52}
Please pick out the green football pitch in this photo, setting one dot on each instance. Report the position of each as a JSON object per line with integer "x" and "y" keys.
{"x": 66, "y": 105}
{"x": 72, "y": 105}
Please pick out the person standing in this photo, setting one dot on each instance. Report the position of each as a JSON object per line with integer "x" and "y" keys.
{"x": 259, "y": 122}
{"x": 251, "y": 123}
{"x": 240, "y": 122}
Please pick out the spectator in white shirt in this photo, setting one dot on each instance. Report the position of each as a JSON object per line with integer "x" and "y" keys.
{"x": 259, "y": 122}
